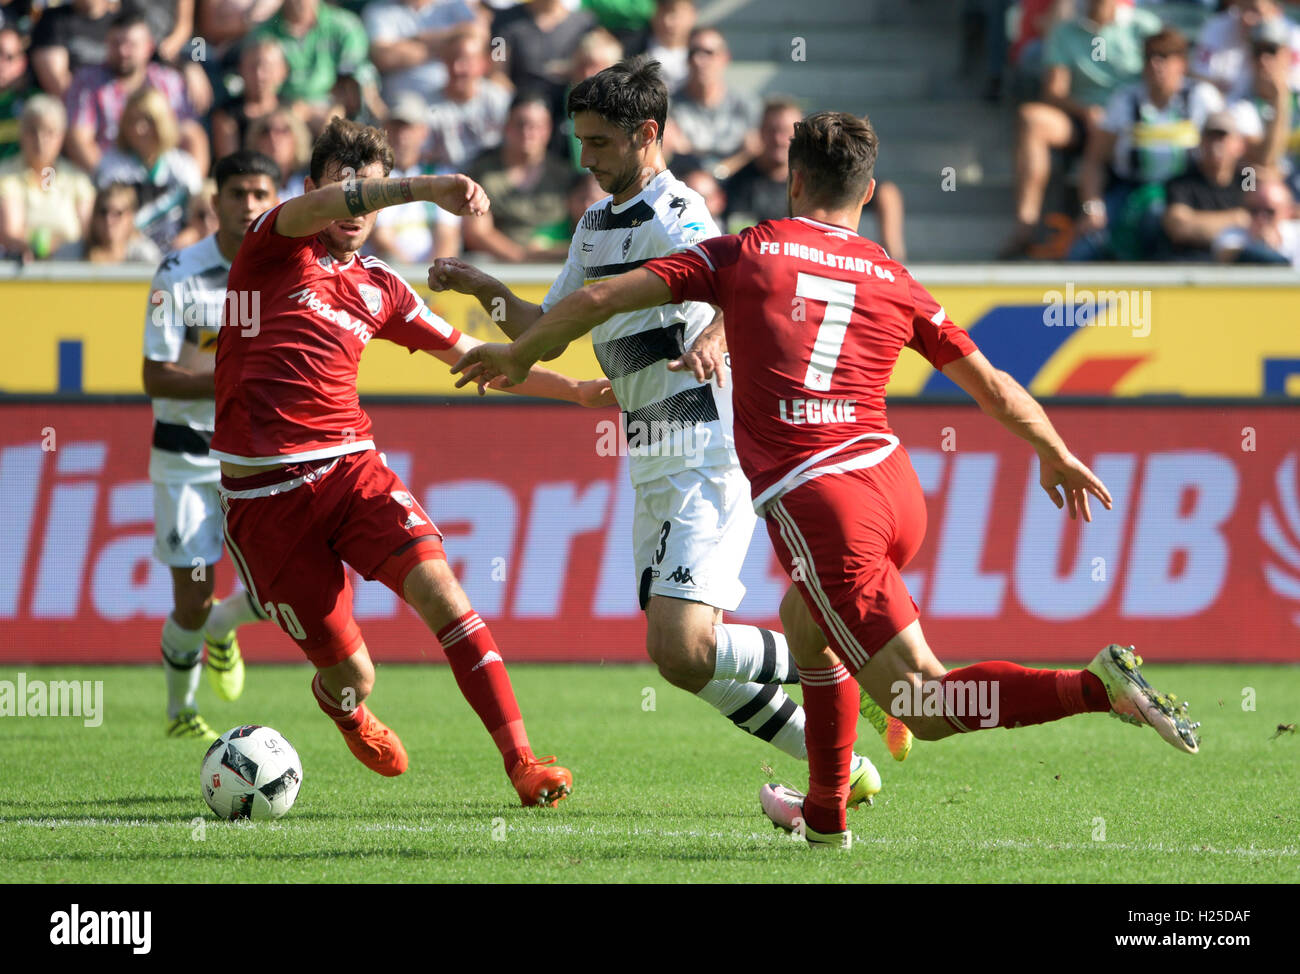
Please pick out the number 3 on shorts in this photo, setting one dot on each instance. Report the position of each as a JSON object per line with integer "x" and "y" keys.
{"x": 286, "y": 619}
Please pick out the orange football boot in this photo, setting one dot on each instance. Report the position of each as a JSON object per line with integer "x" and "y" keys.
{"x": 541, "y": 781}
{"x": 375, "y": 746}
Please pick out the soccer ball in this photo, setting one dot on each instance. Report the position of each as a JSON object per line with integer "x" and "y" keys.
{"x": 250, "y": 772}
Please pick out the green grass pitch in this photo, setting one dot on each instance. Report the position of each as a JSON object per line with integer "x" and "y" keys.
{"x": 666, "y": 791}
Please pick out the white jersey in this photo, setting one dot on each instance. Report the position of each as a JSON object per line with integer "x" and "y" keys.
{"x": 186, "y": 310}
{"x": 672, "y": 422}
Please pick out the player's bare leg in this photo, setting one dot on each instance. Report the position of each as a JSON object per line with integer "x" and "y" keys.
{"x": 906, "y": 678}
{"x": 341, "y": 691}
{"x": 432, "y": 590}
{"x": 737, "y": 670}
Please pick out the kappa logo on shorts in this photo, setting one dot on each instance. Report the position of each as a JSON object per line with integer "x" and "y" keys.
{"x": 682, "y": 576}
{"x": 403, "y": 498}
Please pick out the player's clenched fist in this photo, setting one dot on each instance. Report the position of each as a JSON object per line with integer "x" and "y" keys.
{"x": 460, "y": 195}
{"x": 450, "y": 274}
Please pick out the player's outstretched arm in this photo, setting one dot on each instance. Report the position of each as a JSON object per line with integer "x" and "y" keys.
{"x": 571, "y": 318}
{"x": 511, "y": 313}
{"x": 1006, "y": 400}
{"x": 540, "y": 382}
{"x": 312, "y": 212}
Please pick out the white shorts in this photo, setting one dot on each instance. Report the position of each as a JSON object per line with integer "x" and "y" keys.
{"x": 691, "y": 532}
{"x": 187, "y": 523}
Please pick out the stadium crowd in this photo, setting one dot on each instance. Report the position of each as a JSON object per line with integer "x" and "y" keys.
{"x": 1162, "y": 142}
{"x": 112, "y": 113}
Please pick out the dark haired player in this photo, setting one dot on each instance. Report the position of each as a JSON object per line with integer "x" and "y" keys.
{"x": 303, "y": 486}
{"x": 186, "y": 309}
{"x": 693, "y": 521}
{"x": 843, "y": 506}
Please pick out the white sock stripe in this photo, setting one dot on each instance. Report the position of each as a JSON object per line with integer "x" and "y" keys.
{"x": 467, "y": 628}
{"x": 824, "y": 678}
{"x": 849, "y": 646}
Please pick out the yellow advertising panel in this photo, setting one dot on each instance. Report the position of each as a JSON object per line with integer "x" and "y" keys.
{"x": 1073, "y": 338}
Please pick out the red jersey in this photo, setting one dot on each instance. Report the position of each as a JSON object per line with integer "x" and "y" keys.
{"x": 815, "y": 317}
{"x": 296, "y": 323}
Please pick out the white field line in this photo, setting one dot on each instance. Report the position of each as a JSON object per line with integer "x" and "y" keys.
{"x": 525, "y": 828}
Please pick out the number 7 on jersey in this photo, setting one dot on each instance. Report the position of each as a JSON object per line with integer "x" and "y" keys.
{"x": 838, "y": 297}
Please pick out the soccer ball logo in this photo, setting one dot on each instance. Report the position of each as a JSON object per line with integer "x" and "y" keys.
{"x": 250, "y": 772}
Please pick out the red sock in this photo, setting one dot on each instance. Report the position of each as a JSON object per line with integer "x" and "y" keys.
{"x": 830, "y": 703}
{"x": 1009, "y": 695}
{"x": 481, "y": 675}
{"x": 345, "y": 718}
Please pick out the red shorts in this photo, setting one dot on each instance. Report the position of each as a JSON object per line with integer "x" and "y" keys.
{"x": 290, "y": 530}
{"x": 849, "y": 535}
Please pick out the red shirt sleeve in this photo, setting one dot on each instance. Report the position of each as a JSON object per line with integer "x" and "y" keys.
{"x": 933, "y": 333}
{"x": 263, "y": 243}
{"x": 415, "y": 327}
{"x": 701, "y": 272}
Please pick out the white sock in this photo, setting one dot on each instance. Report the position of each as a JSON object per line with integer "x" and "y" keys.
{"x": 181, "y": 649}
{"x": 764, "y": 710}
{"x": 228, "y": 615}
{"x": 748, "y": 654}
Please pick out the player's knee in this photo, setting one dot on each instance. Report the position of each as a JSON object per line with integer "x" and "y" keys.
{"x": 682, "y": 661}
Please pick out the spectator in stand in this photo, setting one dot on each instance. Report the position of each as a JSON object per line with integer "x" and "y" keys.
{"x": 1076, "y": 87}
{"x": 1272, "y": 218}
{"x": 407, "y": 39}
{"x": 1276, "y": 101}
{"x": 528, "y": 188}
{"x": 1223, "y": 49}
{"x": 321, "y": 43}
{"x": 69, "y": 38}
{"x": 412, "y": 233}
{"x": 113, "y": 237}
{"x": 758, "y": 191}
{"x": 45, "y": 201}
{"x": 469, "y": 115}
{"x": 715, "y": 198}
{"x": 1034, "y": 20}
{"x": 713, "y": 124}
{"x": 16, "y": 86}
{"x": 224, "y": 26}
{"x": 597, "y": 50}
{"x": 1207, "y": 216}
{"x": 97, "y": 96}
{"x": 626, "y": 20}
{"x": 669, "y": 42}
{"x": 148, "y": 158}
{"x": 285, "y": 138}
{"x": 263, "y": 71}
{"x": 200, "y": 217}
{"x": 1146, "y": 138}
{"x": 540, "y": 38}
{"x": 172, "y": 24}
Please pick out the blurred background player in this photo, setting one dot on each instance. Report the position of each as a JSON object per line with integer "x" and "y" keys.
{"x": 844, "y": 508}
{"x": 303, "y": 487}
{"x": 693, "y": 522}
{"x": 187, "y": 307}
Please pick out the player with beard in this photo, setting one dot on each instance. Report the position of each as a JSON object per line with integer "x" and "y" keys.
{"x": 303, "y": 486}
{"x": 693, "y": 522}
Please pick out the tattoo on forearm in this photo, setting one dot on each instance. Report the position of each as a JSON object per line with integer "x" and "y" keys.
{"x": 368, "y": 195}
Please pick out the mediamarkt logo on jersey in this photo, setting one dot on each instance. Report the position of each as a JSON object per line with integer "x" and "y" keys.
{"x": 338, "y": 317}
{"x": 1200, "y": 559}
